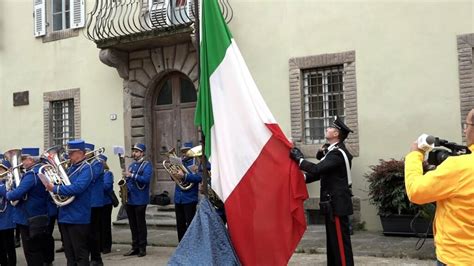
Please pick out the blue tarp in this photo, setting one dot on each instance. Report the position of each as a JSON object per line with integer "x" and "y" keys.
{"x": 206, "y": 241}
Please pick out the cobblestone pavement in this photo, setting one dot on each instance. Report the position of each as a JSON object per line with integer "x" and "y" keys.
{"x": 160, "y": 255}
{"x": 370, "y": 248}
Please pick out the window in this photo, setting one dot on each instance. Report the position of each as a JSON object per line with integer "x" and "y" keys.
{"x": 323, "y": 99}
{"x": 165, "y": 13}
{"x": 322, "y": 86}
{"x": 466, "y": 72}
{"x": 62, "y": 122}
{"x": 61, "y": 117}
{"x": 61, "y": 14}
{"x": 57, "y": 19}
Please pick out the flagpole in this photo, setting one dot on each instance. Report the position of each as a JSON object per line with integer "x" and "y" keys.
{"x": 197, "y": 24}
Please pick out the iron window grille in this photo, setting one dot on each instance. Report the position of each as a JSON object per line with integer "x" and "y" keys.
{"x": 323, "y": 98}
{"x": 62, "y": 122}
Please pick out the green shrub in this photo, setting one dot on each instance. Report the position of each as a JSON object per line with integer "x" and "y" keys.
{"x": 387, "y": 189}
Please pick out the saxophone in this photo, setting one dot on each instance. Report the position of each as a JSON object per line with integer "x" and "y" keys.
{"x": 123, "y": 192}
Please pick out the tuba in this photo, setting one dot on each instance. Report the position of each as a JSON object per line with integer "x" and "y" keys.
{"x": 55, "y": 173}
{"x": 173, "y": 165}
{"x": 14, "y": 157}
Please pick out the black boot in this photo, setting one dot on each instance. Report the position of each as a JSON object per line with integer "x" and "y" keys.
{"x": 106, "y": 251}
{"x": 142, "y": 252}
{"x": 97, "y": 263}
{"x": 131, "y": 252}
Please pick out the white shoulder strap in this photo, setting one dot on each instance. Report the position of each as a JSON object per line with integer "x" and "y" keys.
{"x": 348, "y": 166}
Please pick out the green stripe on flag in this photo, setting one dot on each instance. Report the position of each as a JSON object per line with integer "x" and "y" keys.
{"x": 215, "y": 39}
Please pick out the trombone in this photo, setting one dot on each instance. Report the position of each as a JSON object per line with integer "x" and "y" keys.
{"x": 94, "y": 154}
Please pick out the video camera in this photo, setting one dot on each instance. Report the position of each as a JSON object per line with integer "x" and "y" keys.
{"x": 443, "y": 149}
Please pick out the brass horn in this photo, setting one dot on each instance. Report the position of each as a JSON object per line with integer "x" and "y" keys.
{"x": 54, "y": 171}
{"x": 173, "y": 165}
{"x": 14, "y": 157}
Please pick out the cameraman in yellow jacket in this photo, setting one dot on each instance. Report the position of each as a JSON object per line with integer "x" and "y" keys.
{"x": 451, "y": 186}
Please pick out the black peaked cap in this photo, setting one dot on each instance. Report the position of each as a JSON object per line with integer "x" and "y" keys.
{"x": 337, "y": 123}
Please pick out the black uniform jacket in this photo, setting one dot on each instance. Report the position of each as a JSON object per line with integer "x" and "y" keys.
{"x": 333, "y": 175}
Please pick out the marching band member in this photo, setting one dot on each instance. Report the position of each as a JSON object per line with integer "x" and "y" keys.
{"x": 138, "y": 178}
{"x": 106, "y": 244}
{"x": 185, "y": 201}
{"x": 32, "y": 199}
{"x": 53, "y": 217}
{"x": 7, "y": 226}
{"x": 97, "y": 201}
{"x": 74, "y": 218}
{"x": 49, "y": 245}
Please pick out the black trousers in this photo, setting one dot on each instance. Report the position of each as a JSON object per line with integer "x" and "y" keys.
{"x": 184, "y": 216}
{"x": 75, "y": 237}
{"x": 7, "y": 247}
{"x": 95, "y": 236}
{"x": 17, "y": 234}
{"x": 32, "y": 247}
{"x": 136, "y": 219}
{"x": 106, "y": 240}
{"x": 338, "y": 241}
{"x": 48, "y": 248}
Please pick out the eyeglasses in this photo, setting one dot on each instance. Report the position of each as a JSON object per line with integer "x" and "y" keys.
{"x": 465, "y": 125}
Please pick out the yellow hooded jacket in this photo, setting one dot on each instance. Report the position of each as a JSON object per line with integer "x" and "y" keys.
{"x": 451, "y": 186}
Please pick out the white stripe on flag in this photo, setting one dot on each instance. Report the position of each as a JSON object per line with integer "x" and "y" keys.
{"x": 240, "y": 115}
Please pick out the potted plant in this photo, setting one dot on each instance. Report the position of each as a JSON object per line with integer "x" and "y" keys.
{"x": 387, "y": 192}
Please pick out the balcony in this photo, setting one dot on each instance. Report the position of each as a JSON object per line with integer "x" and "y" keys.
{"x": 139, "y": 24}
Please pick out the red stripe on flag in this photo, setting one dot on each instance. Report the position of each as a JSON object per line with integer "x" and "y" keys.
{"x": 265, "y": 211}
{"x": 339, "y": 241}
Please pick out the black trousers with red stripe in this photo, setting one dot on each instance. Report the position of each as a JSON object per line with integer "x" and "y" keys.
{"x": 338, "y": 241}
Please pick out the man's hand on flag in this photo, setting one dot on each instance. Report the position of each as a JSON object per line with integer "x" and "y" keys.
{"x": 296, "y": 154}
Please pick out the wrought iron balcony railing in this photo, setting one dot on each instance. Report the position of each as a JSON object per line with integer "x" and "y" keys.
{"x": 114, "y": 19}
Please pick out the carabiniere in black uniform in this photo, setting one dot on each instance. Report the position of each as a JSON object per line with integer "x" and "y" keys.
{"x": 333, "y": 170}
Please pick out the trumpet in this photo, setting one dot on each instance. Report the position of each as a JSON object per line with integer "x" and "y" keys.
{"x": 173, "y": 165}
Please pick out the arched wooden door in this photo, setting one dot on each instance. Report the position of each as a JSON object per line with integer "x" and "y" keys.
{"x": 173, "y": 123}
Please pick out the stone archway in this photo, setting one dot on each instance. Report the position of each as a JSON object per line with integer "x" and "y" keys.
{"x": 142, "y": 71}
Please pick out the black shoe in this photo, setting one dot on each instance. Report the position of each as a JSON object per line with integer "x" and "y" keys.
{"x": 96, "y": 263}
{"x": 142, "y": 252}
{"x": 106, "y": 251}
{"x": 131, "y": 252}
{"x": 59, "y": 250}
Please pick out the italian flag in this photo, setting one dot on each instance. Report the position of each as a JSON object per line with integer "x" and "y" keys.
{"x": 262, "y": 188}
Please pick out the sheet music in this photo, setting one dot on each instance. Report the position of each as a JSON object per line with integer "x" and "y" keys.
{"x": 176, "y": 160}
